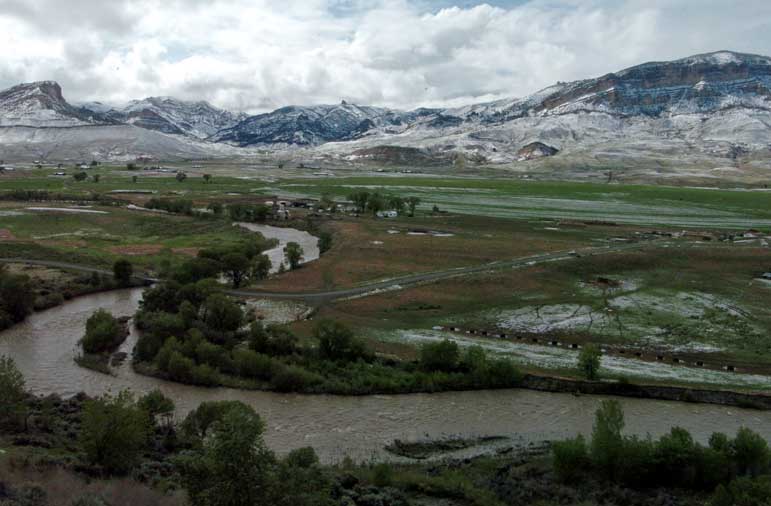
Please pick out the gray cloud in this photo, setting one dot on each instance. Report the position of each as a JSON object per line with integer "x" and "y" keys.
{"x": 255, "y": 55}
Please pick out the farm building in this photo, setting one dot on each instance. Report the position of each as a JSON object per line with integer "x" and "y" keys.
{"x": 387, "y": 214}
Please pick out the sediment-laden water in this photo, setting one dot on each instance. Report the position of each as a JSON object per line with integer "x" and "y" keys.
{"x": 44, "y": 347}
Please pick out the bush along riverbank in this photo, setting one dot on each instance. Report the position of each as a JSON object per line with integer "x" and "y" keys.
{"x": 194, "y": 334}
{"x": 126, "y": 450}
{"x": 104, "y": 335}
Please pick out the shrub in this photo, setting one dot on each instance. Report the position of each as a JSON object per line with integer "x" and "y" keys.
{"x": 607, "y": 442}
{"x": 382, "y": 475}
{"x": 251, "y": 364}
{"x": 114, "y": 432}
{"x": 180, "y": 367}
{"x": 103, "y": 333}
{"x": 294, "y": 379}
{"x": 11, "y": 387}
{"x": 589, "y": 361}
{"x": 155, "y": 403}
{"x": 570, "y": 458}
{"x": 441, "y": 356}
{"x": 337, "y": 342}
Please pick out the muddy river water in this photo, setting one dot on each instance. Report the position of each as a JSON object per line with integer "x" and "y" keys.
{"x": 44, "y": 347}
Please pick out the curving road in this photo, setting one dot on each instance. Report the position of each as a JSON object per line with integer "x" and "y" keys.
{"x": 375, "y": 287}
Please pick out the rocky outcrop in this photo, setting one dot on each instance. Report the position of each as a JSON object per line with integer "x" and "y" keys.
{"x": 536, "y": 150}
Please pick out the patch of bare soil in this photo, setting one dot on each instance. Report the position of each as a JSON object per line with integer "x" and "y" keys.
{"x": 6, "y": 235}
{"x": 137, "y": 249}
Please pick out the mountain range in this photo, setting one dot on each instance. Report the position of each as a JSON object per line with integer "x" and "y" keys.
{"x": 711, "y": 106}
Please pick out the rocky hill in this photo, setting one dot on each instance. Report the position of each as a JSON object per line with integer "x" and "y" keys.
{"x": 41, "y": 105}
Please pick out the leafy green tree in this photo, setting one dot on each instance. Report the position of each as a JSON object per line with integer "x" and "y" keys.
{"x": 195, "y": 427}
{"x": 376, "y": 203}
{"x": 207, "y": 178}
{"x": 294, "y": 254}
{"x": 442, "y": 356}
{"x": 122, "y": 272}
{"x": 360, "y": 200}
{"x": 233, "y": 467}
{"x": 750, "y": 452}
{"x": 743, "y": 491}
{"x": 261, "y": 266}
{"x": 156, "y": 404}
{"x": 237, "y": 268}
{"x": 396, "y": 203}
{"x": 607, "y": 441}
{"x": 180, "y": 177}
{"x": 216, "y": 208}
{"x": 134, "y": 179}
{"x": 412, "y": 203}
{"x": 325, "y": 242}
{"x": 79, "y": 176}
{"x": 337, "y": 342}
{"x": 114, "y": 432}
{"x": 589, "y": 361}
{"x": 16, "y": 298}
{"x": 222, "y": 314}
{"x": 96, "y": 178}
{"x": 11, "y": 387}
{"x": 103, "y": 332}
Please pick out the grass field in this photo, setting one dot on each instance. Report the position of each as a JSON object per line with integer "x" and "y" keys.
{"x": 632, "y": 204}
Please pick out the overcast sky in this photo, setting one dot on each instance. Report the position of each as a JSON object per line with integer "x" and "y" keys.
{"x": 257, "y": 55}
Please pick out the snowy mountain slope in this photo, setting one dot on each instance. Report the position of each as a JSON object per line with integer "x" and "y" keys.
{"x": 169, "y": 115}
{"x": 41, "y": 105}
{"x": 314, "y": 125}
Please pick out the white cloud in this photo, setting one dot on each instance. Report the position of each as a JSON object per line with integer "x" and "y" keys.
{"x": 254, "y": 55}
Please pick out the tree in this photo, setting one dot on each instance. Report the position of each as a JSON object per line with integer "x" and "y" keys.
{"x": 96, "y": 178}
{"x": 294, "y": 254}
{"x": 16, "y": 298}
{"x": 589, "y": 361}
{"x": 103, "y": 332}
{"x": 337, "y": 342}
{"x": 181, "y": 176}
{"x": 412, "y": 203}
{"x": 79, "y": 176}
{"x": 607, "y": 442}
{"x": 396, "y": 203}
{"x": 122, "y": 272}
{"x": 360, "y": 200}
{"x": 157, "y": 405}
{"x": 261, "y": 266}
{"x": 11, "y": 387}
{"x": 134, "y": 179}
{"x": 327, "y": 202}
{"x": 233, "y": 467}
{"x": 750, "y": 452}
{"x": 114, "y": 432}
{"x": 131, "y": 166}
{"x": 442, "y": 356}
{"x": 207, "y": 178}
{"x": 376, "y": 203}
{"x": 222, "y": 314}
{"x": 236, "y": 268}
{"x": 325, "y": 242}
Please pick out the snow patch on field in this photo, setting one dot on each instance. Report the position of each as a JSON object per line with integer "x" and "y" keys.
{"x": 562, "y": 358}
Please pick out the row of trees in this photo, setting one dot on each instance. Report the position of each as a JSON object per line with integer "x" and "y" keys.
{"x": 376, "y": 202}
{"x": 674, "y": 460}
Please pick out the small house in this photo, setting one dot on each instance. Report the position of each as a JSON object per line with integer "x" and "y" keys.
{"x": 387, "y": 214}
{"x": 766, "y": 275}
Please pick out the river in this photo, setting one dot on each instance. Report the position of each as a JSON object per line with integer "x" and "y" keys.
{"x": 285, "y": 235}
{"x": 44, "y": 347}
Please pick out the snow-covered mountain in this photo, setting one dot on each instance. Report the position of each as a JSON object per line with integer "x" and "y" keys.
{"x": 41, "y": 105}
{"x": 311, "y": 125}
{"x": 706, "y": 107}
{"x": 171, "y": 116}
